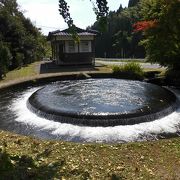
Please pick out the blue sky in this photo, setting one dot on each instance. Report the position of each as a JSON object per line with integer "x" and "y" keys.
{"x": 45, "y": 14}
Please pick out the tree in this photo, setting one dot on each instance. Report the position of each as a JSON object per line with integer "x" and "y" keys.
{"x": 19, "y": 35}
{"x": 122, "y": 44}
{"x": 5, "y": 57}
{"x": 119, "y": 40}
{"x": 161, "y": 24}
{"x": 133, "y": 3}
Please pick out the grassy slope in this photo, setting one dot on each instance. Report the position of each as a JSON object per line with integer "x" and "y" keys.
{"x": 30, "y": 70}
{"x": 57, "y": 159}
{"x": 27, "y": 158}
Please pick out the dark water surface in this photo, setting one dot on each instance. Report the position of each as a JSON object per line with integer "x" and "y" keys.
{"x": 101, "y": 97}
{"x": 102, "y": 102}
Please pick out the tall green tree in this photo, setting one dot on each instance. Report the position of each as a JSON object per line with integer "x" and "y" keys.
{"x": 161, "y": 26}
{"x": 5, "y": 57}
{"x": 19, "y": 35}
{"x": 133, "y": 3}
{"x": 119, "y": 40}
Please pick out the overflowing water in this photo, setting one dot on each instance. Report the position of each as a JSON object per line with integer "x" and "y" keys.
{"x": 16, "y": 117}
{"x": 102, "y": 102}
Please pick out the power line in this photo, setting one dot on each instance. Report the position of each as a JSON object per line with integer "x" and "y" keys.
{"x": 47, "y": 27}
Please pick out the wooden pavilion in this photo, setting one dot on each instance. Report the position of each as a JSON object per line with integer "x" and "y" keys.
{"x": 65, "y": 51}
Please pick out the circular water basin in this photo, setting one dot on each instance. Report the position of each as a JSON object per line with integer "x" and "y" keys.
{"x": 102, "y": 102}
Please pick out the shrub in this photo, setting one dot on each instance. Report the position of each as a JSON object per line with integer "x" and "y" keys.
{"x": 153, "y": 74}
{"x": 172, "y": 77}
{"x": 129, "y": 71}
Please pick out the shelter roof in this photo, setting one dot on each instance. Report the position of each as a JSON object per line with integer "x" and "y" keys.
{"x": 68, "y": 32}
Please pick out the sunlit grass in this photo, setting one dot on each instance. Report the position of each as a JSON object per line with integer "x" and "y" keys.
{"x": 27, "y": 157}
{"x": 28, "y": 71}
{"x": 121, "y": 60}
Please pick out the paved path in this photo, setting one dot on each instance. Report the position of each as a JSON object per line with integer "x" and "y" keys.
{"x": 144, "y": 65}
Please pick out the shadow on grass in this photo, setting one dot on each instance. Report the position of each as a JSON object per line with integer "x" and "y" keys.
{"x": 23, "y": 167}
{"x": 51, "y": 67}
{"x": 40, "y": 167}
{"x": 116, "y": 177}
{"x": 15, "y": 167}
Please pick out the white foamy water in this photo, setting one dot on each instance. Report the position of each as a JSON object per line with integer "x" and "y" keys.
{"x": 44, "y": 128}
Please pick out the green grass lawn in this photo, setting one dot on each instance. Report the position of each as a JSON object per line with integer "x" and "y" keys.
{"x": 28, "y": 71}
{"x": 122, "y": 60}
{"x": 36, "y": 159}
{"x": 28, "y": 158}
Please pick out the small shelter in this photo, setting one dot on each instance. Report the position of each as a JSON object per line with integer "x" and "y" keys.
{"x": 65, "y": 51}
